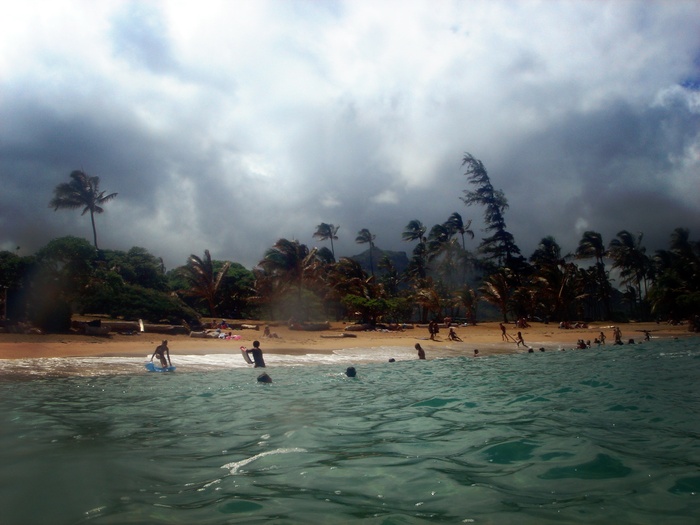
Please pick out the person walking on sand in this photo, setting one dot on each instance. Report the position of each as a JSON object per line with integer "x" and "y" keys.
{"x": 257, "y": 355}
{"x": 519, "y": 340}
{"x": 432, "y": 330}
{"x": 421, "y": 352}
{"x": 162, "y": 351}
{"x": 504, "y": 336}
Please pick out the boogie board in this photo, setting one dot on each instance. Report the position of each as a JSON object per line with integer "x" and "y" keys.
{"x": 246, "y": 356}
{"x": 151, "y": 367}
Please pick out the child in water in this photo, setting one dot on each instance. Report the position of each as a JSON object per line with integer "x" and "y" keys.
{"x": 421, "y": 352}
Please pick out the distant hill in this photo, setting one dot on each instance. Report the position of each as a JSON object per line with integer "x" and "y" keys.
{"x": 398, "y": 259}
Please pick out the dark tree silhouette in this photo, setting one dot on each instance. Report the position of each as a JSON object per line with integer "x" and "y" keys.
{"x": 326, "y": 232}
{"x": 500, "y": 245}
{"x": 84, "y": 192}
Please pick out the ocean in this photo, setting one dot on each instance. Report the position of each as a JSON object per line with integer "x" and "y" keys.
{"x": 607, "y": 435}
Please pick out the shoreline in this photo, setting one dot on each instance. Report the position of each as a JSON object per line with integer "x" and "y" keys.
{"x": 485, "y": 337}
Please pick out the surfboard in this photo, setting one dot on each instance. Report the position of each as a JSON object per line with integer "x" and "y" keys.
{"x": 151, "y": 367}
{"x": 246, "y": 356}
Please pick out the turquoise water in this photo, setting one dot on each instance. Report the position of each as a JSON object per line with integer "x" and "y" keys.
{"x": 596, "y": 436}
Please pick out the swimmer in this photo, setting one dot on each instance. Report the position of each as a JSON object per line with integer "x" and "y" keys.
{"x": 421, "y": 352}
{"x": 264, "y": 378}
{"x": 351, "y": 372}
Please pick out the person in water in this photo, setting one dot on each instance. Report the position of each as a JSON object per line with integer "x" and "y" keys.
{"x": 162, "y": 351}
{"x": 264, "y": 378}
{"x": 257, "y": 355}
{"x": 351, "y": 372}
{"x": 421, "y": 352}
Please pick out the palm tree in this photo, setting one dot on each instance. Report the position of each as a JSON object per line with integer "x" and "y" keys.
{"x": 468, "y": 298}
{"x": 82, "y": 191}
{"x": 496, "y": 291}
{"x": 417, "y": 266}
{"x": 291, "y": 263}
{"x": 428, "y": 299}
{"x": 363, "y": 237}
{"x": 438, "y": 240}
{"x": 414, "y": 231}
{"x": 629, "y": 256}
{"x": 591, "y": 246}
{"x": 347, "y": 277}
{"x": 455, "y": 224}
{"x": 204, "y": 281}
{"x": 676, "y": 287}
{"x": 325, "y": 232}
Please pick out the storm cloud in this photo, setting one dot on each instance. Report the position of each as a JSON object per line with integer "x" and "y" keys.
{"x": 228, "y": 125}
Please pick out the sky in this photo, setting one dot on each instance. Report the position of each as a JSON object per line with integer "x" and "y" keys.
{"x": 227, "y": 125}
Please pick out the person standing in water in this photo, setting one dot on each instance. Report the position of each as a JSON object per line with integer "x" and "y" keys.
{"x": 257, "y": 355}
{"x": 421, "y": 352}
{"x": 162, "y": 351}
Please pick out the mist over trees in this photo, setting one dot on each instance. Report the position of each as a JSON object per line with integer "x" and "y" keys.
{"x": 441, "y": 277}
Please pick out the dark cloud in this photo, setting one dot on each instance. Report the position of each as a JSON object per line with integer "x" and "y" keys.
{"x": 227, "y": 129}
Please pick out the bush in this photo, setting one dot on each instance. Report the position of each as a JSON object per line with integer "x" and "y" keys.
{"x": 132, "y": 302}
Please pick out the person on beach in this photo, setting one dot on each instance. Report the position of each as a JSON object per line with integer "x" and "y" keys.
{"x": 432, "y": 330}
{"x": 257, "y": 355}
{"x": 162, "y": 351}
{"x": 601, "y": 338}
{"x": 421, "y": 352}
{"x": 504, "y": 336}
{"x": 452, "y": 336}
{"x": 519, "y": 340}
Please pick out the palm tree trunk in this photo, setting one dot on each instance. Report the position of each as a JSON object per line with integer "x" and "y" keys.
{"x": 94, "y": 229}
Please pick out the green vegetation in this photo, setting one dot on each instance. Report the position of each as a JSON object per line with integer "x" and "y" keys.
{"x": 440, "y": 278}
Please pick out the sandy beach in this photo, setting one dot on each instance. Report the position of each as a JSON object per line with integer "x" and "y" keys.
{"x": 486, "y": 337}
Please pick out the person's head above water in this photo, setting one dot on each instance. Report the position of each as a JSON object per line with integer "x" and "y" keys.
{"x": 351, "y": 372}
{"x": 264, "y": 378}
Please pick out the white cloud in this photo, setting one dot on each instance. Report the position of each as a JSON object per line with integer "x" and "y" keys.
{"x": 227, "y": 125}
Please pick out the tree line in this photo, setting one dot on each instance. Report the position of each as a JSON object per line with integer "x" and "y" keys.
{"x": 440, "y": 278}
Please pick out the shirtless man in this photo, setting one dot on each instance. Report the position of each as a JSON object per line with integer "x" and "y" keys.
{"x": 162, "y": 351}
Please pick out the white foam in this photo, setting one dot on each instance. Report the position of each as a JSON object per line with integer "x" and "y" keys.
{"x": 92, "y": 366}
{"x": 236, "y": 465}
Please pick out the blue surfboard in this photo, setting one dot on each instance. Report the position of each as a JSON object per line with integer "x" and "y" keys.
{"x": 151, "y": 367}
